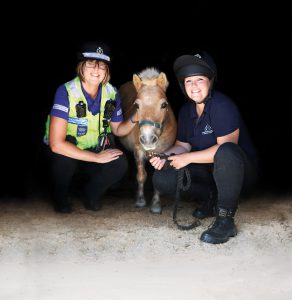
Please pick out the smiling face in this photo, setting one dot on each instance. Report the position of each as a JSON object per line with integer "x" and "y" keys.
{"x": 93, "y": 72}
{"x": 197, "y": 87}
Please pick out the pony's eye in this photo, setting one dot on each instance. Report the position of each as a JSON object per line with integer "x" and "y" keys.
{"x": 164, "y": 105}
{"x": 136, "y": 105}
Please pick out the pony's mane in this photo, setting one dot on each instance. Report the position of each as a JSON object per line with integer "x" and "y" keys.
{"x": 148, "y": 74}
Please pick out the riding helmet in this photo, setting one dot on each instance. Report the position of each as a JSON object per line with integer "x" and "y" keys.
{"x": 192, "y": 65}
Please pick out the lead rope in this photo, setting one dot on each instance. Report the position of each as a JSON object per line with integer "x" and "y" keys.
{"x": 180, "y": 186}
{"x": 182, "y": 174}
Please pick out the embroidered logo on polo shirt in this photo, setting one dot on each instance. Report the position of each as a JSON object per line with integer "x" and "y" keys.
{"x": 207, "y": 130}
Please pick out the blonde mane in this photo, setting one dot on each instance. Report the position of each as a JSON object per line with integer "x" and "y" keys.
{"x": 150, "y": 77}
{"x": 148, "y": 74}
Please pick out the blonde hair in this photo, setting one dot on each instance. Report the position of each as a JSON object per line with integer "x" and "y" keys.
{"x": 80, "y": 72}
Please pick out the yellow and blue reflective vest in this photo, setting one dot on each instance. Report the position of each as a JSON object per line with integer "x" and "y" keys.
{"x": 85, "y": 130}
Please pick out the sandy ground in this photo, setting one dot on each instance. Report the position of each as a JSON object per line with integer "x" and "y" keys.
{"x": 124, "y": 253}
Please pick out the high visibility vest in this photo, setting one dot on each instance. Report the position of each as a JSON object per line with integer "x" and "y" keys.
{"x": 85, "y": 130}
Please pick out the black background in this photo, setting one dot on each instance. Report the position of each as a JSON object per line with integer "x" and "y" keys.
{"x": 250, "y": 44}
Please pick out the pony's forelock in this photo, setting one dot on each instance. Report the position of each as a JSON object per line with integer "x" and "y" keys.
{"x": 148, "y": 73}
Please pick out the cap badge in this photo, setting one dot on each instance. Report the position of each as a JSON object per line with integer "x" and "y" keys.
{"x": 198, "y": 55}
{"x": 99, "y": 50}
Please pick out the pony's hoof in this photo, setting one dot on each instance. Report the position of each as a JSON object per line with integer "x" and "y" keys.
{"x": 156, "y": 209}
{"x": 140, "y": 203}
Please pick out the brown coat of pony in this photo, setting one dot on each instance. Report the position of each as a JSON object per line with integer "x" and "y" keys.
{"x": 156, "y": 128}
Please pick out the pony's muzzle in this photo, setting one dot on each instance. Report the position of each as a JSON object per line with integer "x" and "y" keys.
{"x": 148, "y": 141}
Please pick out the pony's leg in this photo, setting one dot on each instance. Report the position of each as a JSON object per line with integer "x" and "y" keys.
{"x": 155, "y": 207}
{"x": 141, "y": 178}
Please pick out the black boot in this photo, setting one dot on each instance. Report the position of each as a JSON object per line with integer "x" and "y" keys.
{"x": 222, "y": 229}
{"x": 207, "y": 209}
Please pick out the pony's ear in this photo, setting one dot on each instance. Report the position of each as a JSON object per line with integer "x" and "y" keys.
{"x": 137, "y": 82}
{"x": 162, "y": 81}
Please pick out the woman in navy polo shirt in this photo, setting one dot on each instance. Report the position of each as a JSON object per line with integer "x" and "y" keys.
{"x": 212, "y": 141}
{"x": 86, "y": 110}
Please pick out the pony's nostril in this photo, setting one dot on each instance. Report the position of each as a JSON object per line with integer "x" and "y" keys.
{"x": 142, "y": 139}
{"x": 154, "y": 139}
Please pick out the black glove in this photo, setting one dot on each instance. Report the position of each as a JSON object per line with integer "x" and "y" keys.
{"x": 166, "y": 165}
{"x": 167, "y": 162}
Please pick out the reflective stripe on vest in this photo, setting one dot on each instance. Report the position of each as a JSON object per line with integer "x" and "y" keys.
{"x": 84, "y": 130}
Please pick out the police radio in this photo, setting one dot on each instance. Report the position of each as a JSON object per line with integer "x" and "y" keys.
{"x": 80, "y": 109}
{"x": 103, "y": 139}
{"x": 109, "y": 108}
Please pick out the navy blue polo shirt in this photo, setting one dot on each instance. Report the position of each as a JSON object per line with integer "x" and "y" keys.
{"x": 220, "y": 117}
{"x": 61, "y": 104}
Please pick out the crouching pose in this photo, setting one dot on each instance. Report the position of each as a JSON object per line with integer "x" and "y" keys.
{"x": 213, "y": 143}
{"x": 85, "y": 115}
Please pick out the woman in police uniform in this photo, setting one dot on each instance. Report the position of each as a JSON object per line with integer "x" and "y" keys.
{"x": 86, "y": 110}
{"x": 213, "y": 143}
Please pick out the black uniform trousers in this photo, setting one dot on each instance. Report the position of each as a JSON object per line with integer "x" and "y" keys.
{"x": 97, "y": 178}
{"x": 232, "y": 174}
